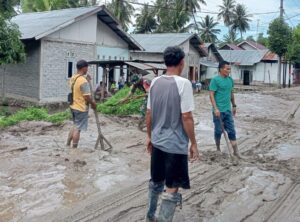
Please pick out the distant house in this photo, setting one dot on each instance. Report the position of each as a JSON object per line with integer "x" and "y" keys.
{"x": 54, "y": 41}
{"x": 209, "y": 64}
{"x": 229, "y": 46}
{"x": 251, "y": 45}
{"x": 155, "y": 44}
{"x": 252, "y": 66}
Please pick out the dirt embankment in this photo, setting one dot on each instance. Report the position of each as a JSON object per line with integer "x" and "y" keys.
{"x": 42, "y": 180}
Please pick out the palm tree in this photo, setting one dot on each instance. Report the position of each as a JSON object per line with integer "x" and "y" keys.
{"x": 123, "y": 11}
{"x": 174, "y": 20}
{"x": 226, "y": 12}
{"x": 145, "y": 21}
{"x": 193, "y": 5}
{"x": 231, "y": 37}
{"x": 47, "y": 5}
{"x": 240, "y": 19}
{"x": 208, "y": 32}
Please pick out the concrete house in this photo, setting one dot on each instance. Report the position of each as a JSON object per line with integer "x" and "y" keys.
{"x": 54, "y": 41}
{"x": 155, "y": 44}
{"x": 252, "y": 66}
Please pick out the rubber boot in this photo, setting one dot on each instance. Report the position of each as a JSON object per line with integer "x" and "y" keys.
{"x": 155, "y": 189}
{"x": 168, "y": 206}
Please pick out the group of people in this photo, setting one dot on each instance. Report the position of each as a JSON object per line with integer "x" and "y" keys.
{"x": 171, "y": 139}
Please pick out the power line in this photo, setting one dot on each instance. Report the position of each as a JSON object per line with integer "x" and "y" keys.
{"x": 293, "y": 16}
{"x": 289, "y": 19}
{"x": 196, "y": 11}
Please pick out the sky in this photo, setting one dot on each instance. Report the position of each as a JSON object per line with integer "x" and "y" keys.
{"x": 259, "y": 23}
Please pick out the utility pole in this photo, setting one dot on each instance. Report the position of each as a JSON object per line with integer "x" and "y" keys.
{"x": 280, "y": 57}
{"x": 281, "y": 9}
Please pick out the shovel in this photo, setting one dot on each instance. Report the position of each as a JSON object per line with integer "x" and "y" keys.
{"x": 227, "y": 142}
{"x": 101, "y": 137}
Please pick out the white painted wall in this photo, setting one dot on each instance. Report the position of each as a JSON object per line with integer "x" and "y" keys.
{"x": 81, "y": 31}
{"x": 107, "y": 37}
{"x": 261, "y": 73}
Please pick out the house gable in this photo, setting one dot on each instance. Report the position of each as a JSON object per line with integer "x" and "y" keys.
{"x": 80, "y": 31}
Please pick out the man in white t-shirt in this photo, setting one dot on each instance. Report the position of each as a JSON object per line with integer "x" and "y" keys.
{"x": 170, "y": 127}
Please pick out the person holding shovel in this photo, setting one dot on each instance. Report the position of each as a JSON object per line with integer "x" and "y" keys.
{"x": 143, "y": 85}
{"x": 224, "y": 106}
{"x": 81, "y": 96}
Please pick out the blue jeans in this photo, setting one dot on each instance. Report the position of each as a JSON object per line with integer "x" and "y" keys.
{"x": 228, "y": 123}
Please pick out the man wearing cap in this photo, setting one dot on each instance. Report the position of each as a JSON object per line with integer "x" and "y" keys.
{"x": 81, "y": 99}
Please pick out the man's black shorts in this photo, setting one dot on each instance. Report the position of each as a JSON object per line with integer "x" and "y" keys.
{"x": 171, "y": 168}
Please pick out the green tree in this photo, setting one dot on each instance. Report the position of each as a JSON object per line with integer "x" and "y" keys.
{"x": 208, "y": 31}
{"x": 262, "y": 40}
{"x": 7, "y": 7}
{"x": 279, "y": 38}
{"x": 226, "y": 12}
{"x": 231, "y": 37}
{"x": 174, "y": 19}
{"x": 123, "y": 11}
{"x": 192, "y": 6}
{"x": 47, "y": 5}
{"x": 145, "y": 20}
{"x": 43, "y": 5}
{"x": 250, "y": 38}
{"x": 240, "y": 19}
{"x": 11, "y": 47}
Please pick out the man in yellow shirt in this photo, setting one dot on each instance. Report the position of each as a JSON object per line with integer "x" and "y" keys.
{"x": 81, "y": 100}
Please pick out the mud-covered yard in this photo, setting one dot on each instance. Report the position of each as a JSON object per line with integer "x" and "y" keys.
{"x": 43, "y": 180}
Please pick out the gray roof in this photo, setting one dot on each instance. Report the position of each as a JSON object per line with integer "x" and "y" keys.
{"x": 157, "y": 43}
{"x": 37, "y": 25}
{"x": 209, "y": 63}
{"x": 243, "y": 57}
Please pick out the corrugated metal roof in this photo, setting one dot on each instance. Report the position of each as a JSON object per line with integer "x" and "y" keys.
{"x": 243, "y": 57}
{"x": 157, "y": 43}
{"x": 209, "y": 63}
{"x": 37, "y": 25}
{"x": 256, "y": 45}
{"x": 147, "y": 66}
{"x": 231, "y": 46}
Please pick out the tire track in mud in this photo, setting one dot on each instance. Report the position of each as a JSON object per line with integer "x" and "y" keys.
{"x": 132, "y": 206}
{"x": 286, "y": 208}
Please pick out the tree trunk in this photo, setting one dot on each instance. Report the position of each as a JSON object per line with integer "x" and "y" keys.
{"x": 279, "y": 73}
{"x": 196, "y": 25}
{"x": 290, "y": 66}
{"x": 284, "y": 75}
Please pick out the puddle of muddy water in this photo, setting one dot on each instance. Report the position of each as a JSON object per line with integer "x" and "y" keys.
{"x": 286, "y": 152}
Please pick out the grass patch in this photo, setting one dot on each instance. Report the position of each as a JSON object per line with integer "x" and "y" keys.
{"x": 33, "y": 114}
{"x": 111, "y": 107}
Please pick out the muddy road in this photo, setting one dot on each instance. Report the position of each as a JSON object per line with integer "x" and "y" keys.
{"x": 43, "y": 180}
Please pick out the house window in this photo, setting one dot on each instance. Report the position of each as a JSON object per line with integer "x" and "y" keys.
{"x": 109, "y": 57}
{"x": 70, "y": 69}
{"x": 103, "y": 57}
